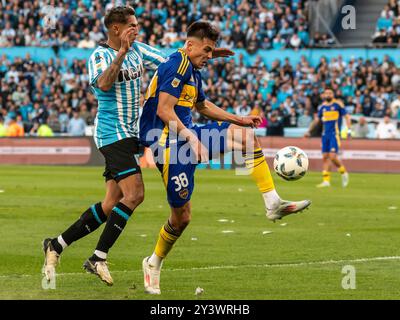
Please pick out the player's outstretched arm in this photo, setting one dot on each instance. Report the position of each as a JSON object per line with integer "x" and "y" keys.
{"x": 348, "y": 123}
{"x": 312, "y": 126}
{"x": 222, "y": 53}
{"x": 211, "y": 111}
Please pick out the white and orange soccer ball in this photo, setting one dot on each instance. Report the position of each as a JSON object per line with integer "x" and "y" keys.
{"x": 291, "y": 163}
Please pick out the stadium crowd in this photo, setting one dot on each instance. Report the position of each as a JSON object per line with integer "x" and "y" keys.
{"x": 54, "y": 97}
{"x": 388, "y": 26}
{"x": 250, "y": 24}
{"x": 286, "y": 95}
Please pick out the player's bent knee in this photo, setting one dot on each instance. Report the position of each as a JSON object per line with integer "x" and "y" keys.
{"x": 108, "y": 205}
{"x": 135, "y": 198}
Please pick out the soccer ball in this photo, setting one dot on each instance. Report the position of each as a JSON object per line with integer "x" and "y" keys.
{"x": 291, "y": 163}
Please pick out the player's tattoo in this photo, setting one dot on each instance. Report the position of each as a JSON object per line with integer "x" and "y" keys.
{"x": 107, "y": 79}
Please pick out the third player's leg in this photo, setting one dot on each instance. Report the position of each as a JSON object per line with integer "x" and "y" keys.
{"x": 334, "y": 159}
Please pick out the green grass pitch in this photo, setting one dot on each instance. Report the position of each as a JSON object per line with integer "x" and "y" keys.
{"x": 301, "y": 257}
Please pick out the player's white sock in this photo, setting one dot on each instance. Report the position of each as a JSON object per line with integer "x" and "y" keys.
{"x": 155, "y": 261}
{"x": 271, "y": 199}
{"x": 61, "y": 241}
{"x": 100, "y": 254}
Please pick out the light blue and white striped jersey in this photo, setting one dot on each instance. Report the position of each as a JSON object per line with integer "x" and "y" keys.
{"x": 118, "y": 108}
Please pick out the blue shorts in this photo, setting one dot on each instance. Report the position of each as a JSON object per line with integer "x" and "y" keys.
{"x": 330, "y": 143}
{"x": 177, "y": 165}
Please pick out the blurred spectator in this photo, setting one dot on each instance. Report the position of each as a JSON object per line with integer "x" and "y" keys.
{"x": 44, "y": 131}
{"x": 3, "y": 130}
{"x": 244, "y": 109}
{"x": 386, "y": 129}
{"x": 275, "y": 126}
{"x": 76, "y": 125}
{"x": 361, "y": 129}
{"x": 14, "y": 129}
{"x": 304, "y": 120}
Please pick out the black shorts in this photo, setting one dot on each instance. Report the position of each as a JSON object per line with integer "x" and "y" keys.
{"x": 122, "y": 159}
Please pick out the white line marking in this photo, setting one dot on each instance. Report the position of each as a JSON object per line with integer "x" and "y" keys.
{"x": 271, "y": 265}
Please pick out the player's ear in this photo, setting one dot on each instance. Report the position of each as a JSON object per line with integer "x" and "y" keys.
{"x": 115, "y": 28}
{"x": 189, "y": 45}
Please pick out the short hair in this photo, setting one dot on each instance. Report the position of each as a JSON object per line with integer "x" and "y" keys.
{"x": 203, "y": 29}
{"x": 118, "y": 15}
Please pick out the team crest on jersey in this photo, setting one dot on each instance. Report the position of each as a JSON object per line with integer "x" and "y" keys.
{"x": 192, "y": 79}
{"x": 175, "y": 82}
{"x": 184, "y": 193}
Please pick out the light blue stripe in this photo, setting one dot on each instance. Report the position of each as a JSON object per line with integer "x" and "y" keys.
{"x": 96, "y": 216}
{"x": 126, "y": 171}
{"x": 121, "y": 213}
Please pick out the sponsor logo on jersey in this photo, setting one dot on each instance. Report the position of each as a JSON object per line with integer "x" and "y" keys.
{"x": 129, "y": 74}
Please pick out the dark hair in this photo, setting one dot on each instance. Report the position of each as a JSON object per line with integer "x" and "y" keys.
{"x": 203, "y": 29}
{"x": 118, "y": 14}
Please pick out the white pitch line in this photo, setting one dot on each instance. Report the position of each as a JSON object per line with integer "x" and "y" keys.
{"x": 272, "y": 265}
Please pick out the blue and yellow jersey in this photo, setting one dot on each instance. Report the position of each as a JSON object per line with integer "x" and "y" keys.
{"x": 177, "y": 77}
{"x": 331, "y": 116}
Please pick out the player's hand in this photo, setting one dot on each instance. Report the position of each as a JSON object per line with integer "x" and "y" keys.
{"x": 126, "y": 41}
{"x": 222, "y": 53}
{"x": 307, "y": 135}
{"x": 199, "y": 150}
{"x": 250, "y": 121}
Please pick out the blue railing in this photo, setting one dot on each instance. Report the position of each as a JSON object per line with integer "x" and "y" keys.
{"x": 268, "y": 56}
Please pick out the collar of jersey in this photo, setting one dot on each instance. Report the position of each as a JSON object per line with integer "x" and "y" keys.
{"x": 105, "y": 45}
{"x": 185, "y": 54}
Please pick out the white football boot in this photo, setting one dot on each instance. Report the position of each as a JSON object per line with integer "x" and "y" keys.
{"x": 51, "y": 260}
{"x": 99, "y": 268}
{"x": 151, "y": 278}
{"x": 345, "y": 179}
{"x": 323, "y": 184}
{"x": 285, "y": 208}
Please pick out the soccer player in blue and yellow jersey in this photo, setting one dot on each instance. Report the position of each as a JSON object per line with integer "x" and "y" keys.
{"x": 178, "y": 145}
{"x": 331, "y": 112}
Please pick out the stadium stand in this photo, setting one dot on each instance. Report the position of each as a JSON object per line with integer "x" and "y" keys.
{"x": 35, "y": 90}
{"x": 388, "y": 26}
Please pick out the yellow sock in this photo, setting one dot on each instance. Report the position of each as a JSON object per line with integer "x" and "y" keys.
{"x": 166, "y": 240}
{"x": 342, "y": 170}
{"x": 326, "y": 176}
{"x": 259, "y": 170}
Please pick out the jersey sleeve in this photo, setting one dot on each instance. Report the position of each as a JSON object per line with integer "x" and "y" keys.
{"x": 151, "y": 56}
{"x": 99, "y": 61}
{"x": 173, "y": 75}
{"x": 320, "y": 112}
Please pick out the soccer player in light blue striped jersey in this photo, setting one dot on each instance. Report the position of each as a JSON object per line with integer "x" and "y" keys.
{"x": 115, "y": 72}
